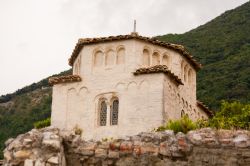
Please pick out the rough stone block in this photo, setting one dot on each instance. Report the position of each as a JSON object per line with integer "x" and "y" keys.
{"x": 194, "y": 138}
{"x": 149, "y": 148}
{"x": 39, "y": 163}
{"x": 88, "y": 149}
{"x": 101, "y": 153}
{"x": 113, "y": 154}
{"x": 7, "y": 155}
{"x": 22, "y": 154}
{"x": 53, "y": 160}
{"x": 114, "y": 145}
{"x": 104, "y": 145}
{"x": 126, "y": 146}
{"x": 28, "y": 162}
{"x": 164, "y": 149}
{"x": 242, "y": 141}
{"x": 8, "y": 141}
{"x": 54, "y": 144}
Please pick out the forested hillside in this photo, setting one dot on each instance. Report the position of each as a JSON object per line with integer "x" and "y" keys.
{"x": 19, "y": 110}
{"x": 222, "y": 46}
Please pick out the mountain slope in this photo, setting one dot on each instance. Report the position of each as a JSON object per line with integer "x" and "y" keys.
{"x": 223, "y": 47}
{"x": 19, "y": 110}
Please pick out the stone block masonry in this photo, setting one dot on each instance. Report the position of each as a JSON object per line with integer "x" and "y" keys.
{"x": 52, "y": 147}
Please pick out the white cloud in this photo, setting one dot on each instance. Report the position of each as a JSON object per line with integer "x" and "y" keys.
{"x": 38, "y": 36}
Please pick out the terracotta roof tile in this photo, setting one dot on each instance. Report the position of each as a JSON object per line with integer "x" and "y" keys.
{"x": 64, "y": 79}
{"x": 205, "y": 108}
{"x": 175, "y": 47}
{"x": 159, "y": 69}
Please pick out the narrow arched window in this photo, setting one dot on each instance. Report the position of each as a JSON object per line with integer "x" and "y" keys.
{"x": 155, "y": 58}
{"x": 98, "y": 58}
{"x": 120, "y": 56}
{"x": 110, "y": 58}
{"x": 165, "y": 60}
{"x": 114, "y": 112}
{"x": 145, "y": 58}
{"x": 103, "y": 113}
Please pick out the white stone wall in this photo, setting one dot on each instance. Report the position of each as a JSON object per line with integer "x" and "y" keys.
{"x": 145, "y": 102}
{"x": 140, "y": 106}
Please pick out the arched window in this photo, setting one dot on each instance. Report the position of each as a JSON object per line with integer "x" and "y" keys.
{"x": 114, "y": 112}
{"x": 145, "y": 58}
{"x": 165, "y": 60}
{"x": 110, "y": 58}
{"x": 155, "y": 58}
{"x": 102, "y": 113}
{"x": 98, "y": 58}
{"x": 120, "y": 56}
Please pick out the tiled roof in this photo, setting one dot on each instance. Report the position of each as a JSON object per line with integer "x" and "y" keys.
{"x": 64, "y": 79}
{"x": 205, "y": 108}
{"x": 159, "y": 69}
{"x": 175, "y": 47}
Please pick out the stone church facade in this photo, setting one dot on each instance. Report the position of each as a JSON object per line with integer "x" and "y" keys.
{"x": 122, "y": 85}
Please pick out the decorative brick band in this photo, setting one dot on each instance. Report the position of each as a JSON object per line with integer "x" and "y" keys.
{"x": 159, "y": 69}
{"x": 64, "y": 79}
{"x": 178, "y": 48}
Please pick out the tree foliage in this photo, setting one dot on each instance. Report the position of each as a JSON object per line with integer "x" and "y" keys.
{"x": 42, "y": 123}
{"x": 233, "y": 115}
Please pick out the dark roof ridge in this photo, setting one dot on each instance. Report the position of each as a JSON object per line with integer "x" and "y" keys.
{"x": 64, "y": 79}
{"x": 205, "y": 108}
{"x": 159, "y": 69}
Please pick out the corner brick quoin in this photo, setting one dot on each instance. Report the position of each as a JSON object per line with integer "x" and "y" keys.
{"x": 52, "y": 147}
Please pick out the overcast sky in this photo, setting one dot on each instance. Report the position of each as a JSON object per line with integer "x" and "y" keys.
{"x": 38, "y": 36}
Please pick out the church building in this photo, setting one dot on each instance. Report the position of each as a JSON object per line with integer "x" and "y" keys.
{"x": 126, "y": 84}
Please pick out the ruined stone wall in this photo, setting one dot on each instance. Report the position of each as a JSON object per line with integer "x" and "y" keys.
{"x": 51, "y": 147}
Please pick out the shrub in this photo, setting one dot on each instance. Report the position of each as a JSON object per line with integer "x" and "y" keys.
{"x": 201, "y": 123}
{"x": 233, "y": 115}
{"x": 42, "y": 123}
{"x": 182, "y": 125}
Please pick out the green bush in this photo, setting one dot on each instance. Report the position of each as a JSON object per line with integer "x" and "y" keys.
{"x": 201, "y": 123}
{"x": 42, "y": 123}
{"x": 182, "y": 125}
{"x": 233, "y": 115}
